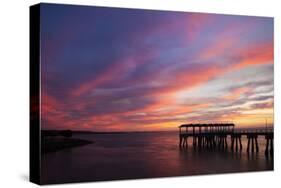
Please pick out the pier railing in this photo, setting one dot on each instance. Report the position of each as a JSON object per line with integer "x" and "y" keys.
{"x": 256, "y": 131}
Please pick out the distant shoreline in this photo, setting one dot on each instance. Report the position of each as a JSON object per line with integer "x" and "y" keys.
{"x": 55, "y": 140}
{"x": 109, "y": 132}
{"x": 118, "y": 132}
{"x": 136, "y": 132}
{"x": 54, "y": 144}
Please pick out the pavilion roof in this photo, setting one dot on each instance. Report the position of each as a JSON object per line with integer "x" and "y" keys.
{"x": 208, "y": 125}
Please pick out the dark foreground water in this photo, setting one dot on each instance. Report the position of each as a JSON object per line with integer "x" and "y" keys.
{"x": 144, "y": 155}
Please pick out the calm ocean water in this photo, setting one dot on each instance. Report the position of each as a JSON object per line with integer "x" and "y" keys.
{"x": 144, "y": 155}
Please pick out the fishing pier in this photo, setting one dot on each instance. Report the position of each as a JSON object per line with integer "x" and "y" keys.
{"x": 214, "y": 136}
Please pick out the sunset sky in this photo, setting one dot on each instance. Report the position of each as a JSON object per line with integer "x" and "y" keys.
{"x": 110, "y": 69}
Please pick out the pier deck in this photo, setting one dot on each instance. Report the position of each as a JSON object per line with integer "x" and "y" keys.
{"x": 214, "y": 136}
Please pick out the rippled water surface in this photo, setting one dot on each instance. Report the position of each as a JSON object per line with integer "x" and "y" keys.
{"x": 144, "y": 155}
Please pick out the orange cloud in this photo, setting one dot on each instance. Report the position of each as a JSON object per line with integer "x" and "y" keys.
{"x": 260, "y": 54}
{"x": 236, "y": 93}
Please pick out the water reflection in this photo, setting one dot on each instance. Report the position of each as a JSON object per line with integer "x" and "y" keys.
{"x": 144, "y": 155}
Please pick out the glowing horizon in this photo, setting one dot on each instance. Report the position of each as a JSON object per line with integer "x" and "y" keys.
{"x": 111, "y": 69}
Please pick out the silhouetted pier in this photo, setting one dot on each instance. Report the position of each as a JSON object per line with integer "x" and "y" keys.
{"x": 214, "y": 136}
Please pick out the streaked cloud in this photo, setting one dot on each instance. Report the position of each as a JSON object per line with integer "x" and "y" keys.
{"x": 120, "y": 69}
